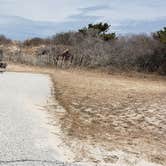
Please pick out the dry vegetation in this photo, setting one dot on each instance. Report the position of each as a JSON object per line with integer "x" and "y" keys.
{"x": 118, "y": 112}
{"x": 124, "y": 112}
{"x": 88, "y": 49}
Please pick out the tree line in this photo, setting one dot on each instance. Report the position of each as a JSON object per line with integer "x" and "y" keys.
{"x": 96, "y": 46}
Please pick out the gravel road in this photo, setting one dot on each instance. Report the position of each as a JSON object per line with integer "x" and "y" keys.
{"x": 25, "y": 138}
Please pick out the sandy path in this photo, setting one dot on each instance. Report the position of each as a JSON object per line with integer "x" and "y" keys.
{"x": 26, "y": 138}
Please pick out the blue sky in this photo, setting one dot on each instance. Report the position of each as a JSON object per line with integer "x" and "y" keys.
{"x": 20, "y": 19}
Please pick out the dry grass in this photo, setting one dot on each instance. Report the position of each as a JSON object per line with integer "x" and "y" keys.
{"x": 116, "y": 111}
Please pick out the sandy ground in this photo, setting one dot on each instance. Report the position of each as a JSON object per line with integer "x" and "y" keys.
{"x": 110, "y": 118}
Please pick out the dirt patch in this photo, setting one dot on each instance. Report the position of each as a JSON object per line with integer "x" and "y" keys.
{"x": 115, "y": 112}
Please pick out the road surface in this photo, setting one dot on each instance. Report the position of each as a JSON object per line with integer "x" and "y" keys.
{"x": 25, "y": 137}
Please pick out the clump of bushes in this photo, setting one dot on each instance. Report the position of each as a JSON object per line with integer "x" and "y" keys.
{"x": 35, "y": 42}
{"x": 95, "y": 46}
{"x": 144, "y": 53}
{"x": 4, "y": 40}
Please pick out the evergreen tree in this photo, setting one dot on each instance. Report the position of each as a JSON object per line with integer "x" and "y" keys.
{"x": 101, "y": 29}
{"x": 161, "y": 35}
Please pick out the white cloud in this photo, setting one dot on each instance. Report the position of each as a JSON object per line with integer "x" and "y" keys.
{"x": 44, "y": 10}
{"x": 133, "y": 10}
{"x": 59, "y": 10}
{"x": 70, "y": 14}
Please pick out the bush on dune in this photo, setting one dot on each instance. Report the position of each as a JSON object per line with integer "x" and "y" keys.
{"x": 96, "y": 46}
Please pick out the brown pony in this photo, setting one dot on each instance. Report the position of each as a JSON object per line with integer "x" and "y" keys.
{"x": 3, "y": 65}
{"x": 65, "y": 56}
